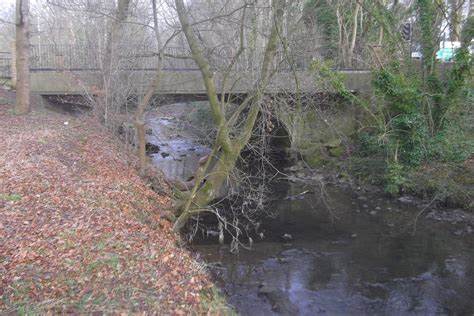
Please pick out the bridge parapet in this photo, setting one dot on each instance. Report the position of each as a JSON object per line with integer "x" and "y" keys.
{"x": 190, "y": 82}
{"x": 74, "y": 69}
{"x": 87, "y": 57}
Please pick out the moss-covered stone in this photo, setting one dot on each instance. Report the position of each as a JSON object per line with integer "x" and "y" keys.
{"x": 319, "y": 131}
{"x": 315, "y": 155}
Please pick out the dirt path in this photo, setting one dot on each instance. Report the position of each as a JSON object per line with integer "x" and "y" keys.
{"x": 79, "y": 231}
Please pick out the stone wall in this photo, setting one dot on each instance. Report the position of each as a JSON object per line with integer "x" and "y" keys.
{"x": 321, "y": 129}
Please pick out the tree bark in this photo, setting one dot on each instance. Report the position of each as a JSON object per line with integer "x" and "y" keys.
{"x": 108, "y": 77}
{"x": 455, "y": 20}
{"x": 203, "y": 194}
{"x": 22, "y": 49}
{"x": 140, "y": 119}
{"x": 145, "y": 101}
{"x": 120, "y": 16}
{"x": 350, "y": 57}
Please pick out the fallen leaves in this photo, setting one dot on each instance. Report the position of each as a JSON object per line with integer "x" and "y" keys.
{"x": 70, "y": 240}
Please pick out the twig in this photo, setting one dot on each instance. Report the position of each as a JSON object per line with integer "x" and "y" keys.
{"x": 418, "y": 215}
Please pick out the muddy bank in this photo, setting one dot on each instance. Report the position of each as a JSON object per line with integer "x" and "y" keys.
{"x": 438, "y": 209}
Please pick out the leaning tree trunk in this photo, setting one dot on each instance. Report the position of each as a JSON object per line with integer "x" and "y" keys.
{"x": 229, "y": 148}
{"x": 22, "y": 43}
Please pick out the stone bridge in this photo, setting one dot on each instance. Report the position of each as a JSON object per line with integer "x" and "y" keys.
{"x": 73, "y": 70}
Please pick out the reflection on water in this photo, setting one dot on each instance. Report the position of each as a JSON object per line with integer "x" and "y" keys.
{"x": 366, "y": 262}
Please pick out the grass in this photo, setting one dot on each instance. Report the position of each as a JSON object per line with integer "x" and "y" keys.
{"x": 10, "y": 197}
{"x": 214, "y": 302}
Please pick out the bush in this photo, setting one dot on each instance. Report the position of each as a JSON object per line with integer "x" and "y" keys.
{"x": 450, "y": 145}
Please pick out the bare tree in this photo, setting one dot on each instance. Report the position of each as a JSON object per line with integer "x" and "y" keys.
{"x": 150, "y": 91}
{"x": 227, "y": 146}
{"x": 456, "y": 7}
{"x": 22, "y": 43}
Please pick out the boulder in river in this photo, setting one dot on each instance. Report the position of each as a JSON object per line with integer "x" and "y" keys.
{"x": 278, "y": 299}
{"x": 152, "y": 148}
{"x": 406, "y": 199}
{"x": 287, "y": 237}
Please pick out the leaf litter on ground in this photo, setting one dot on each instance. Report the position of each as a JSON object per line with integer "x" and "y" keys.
{"x": 71, "y": 234}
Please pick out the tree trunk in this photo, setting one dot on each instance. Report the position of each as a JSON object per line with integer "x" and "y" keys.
{"x": 455, "y": 20}
{"x": 341, "y": 51}
{"x": 120, "y": 16}
{"x": 350, "y": 57}
{"x": 22, "y": 43}
{"x": 202, "y": 194}
{"x": 140, "y": 127}
{"x": 108, "y": 61}
{"x": 145, "y": 101}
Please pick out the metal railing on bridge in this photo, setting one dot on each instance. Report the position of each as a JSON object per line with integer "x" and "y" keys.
{"x": 5, "y": 65}
{"x": 90, "y": 58}
{"x": 85, "y": 57}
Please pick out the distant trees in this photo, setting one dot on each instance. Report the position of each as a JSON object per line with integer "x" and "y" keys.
{"x": 22, "y": 42}
{"x": 7, "y": 28}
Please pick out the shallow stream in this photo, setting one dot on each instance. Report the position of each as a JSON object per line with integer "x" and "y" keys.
{"x": 179, "y": 152}
{"x": 335, "y": 251}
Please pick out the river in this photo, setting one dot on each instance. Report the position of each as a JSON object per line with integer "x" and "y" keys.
{"x": 352, "y": 252}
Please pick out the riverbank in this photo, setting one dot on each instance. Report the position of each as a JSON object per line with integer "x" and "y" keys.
{"x": 441, "y": 184}
{"x": 80, "y": 231}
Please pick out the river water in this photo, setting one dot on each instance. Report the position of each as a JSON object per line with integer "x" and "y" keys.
{"x": 179, "y": 152}
{"x": 367, "y": 261}
{"x": 349, "y": 253}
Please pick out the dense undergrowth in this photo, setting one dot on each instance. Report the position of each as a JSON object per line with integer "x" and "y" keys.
{"x": 420, "y": 135}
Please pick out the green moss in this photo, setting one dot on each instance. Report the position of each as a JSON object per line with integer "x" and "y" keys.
{"x": 336, "y": 151}
{"x": 367, "y": 169}
{"x": 214, "y": 302}
{"x": 332, "y": 142}
{"x": 314, "y": 156}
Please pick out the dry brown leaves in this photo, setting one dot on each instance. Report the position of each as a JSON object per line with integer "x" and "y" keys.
{"x": 72, "y": 231}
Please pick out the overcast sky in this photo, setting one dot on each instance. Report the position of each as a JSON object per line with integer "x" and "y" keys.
{"x": 6, "y": 3}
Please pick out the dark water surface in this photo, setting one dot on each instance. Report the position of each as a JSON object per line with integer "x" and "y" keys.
{"x": 350, "y": 253}
{"x": 369, "y": 260}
